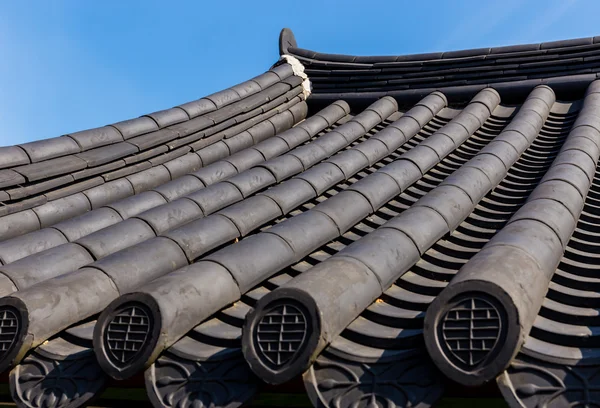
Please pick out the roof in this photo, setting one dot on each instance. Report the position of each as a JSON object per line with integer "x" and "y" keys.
{"x": 378, "y": 241}
{"x": 567, "y": 66}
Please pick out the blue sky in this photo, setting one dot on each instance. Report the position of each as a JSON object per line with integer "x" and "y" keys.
{"x": 72, "y": 65}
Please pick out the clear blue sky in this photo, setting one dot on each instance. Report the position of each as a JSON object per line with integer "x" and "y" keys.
{"x": 72, "y": 65}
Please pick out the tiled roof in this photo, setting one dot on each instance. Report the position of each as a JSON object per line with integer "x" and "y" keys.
{"x": 567, "y": 66}
{"x": 375, "y": 240}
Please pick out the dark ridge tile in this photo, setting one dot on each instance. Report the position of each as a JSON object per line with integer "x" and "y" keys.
{"x": 47, "y": 264}
{"x": 143, "y": 262}
{"x": 179, "y": 187}
{"x": 252, "y": 180}
{"x": 239, "y": 142}
{"x": 88, "y": 223}
{"x": 322, "y": 176}
{"x": 18, "y": 224}
{"x": 50, "y": 148}
{"x": 171, "y": 215}
{"x": 245, "y": 159}
{"x": 11, "y": 156}
{"x": 137, "y": 204}
{"x": 92, "y": 138}
{"x": 350, "y": 162}
{"x": 199, "y": 107}
{"x": 283, "y": 167}
{"x": 62, "y": 209}
{"x": 215, "y": 172}
{"x": 283, "y": 71}
{"x": 187, "y": 163}
{"x": 267, "y": 79}
{"x": 566, "y": 43}
{"x": 291, "y": 194}
{"x": 223, "y": 98}
{"x": 135, "y": 127}
{"x": 248, "y": 260}
{"x": 420, "y": 57}
{"x": 345, "y": 209}
{"x": 565, "y": 82}
{"x": 373, "y": 59}
{"x": 378, "y": 189}
{"x": 305, "y": 231}
{"x": 199, "y": 237}
{"x": 116, "y": 237}
{"x": 525, "y": 49}
{"x": 247, "y": 88}
{"x": 20, "y": 247}
{"x": 274, "y": 146}
{"x": 301, "y": 52}
{"x": 212, "y": 153}
{"x": 216, "y": 197}
{"x": 109, "y": 192}
{"x": 149, "y": 178}
{"x": 466, "y": 53}
{"x": 251, "y": 212}
{"x": 169, "y": 116}
{"x": 334, "y": 57}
